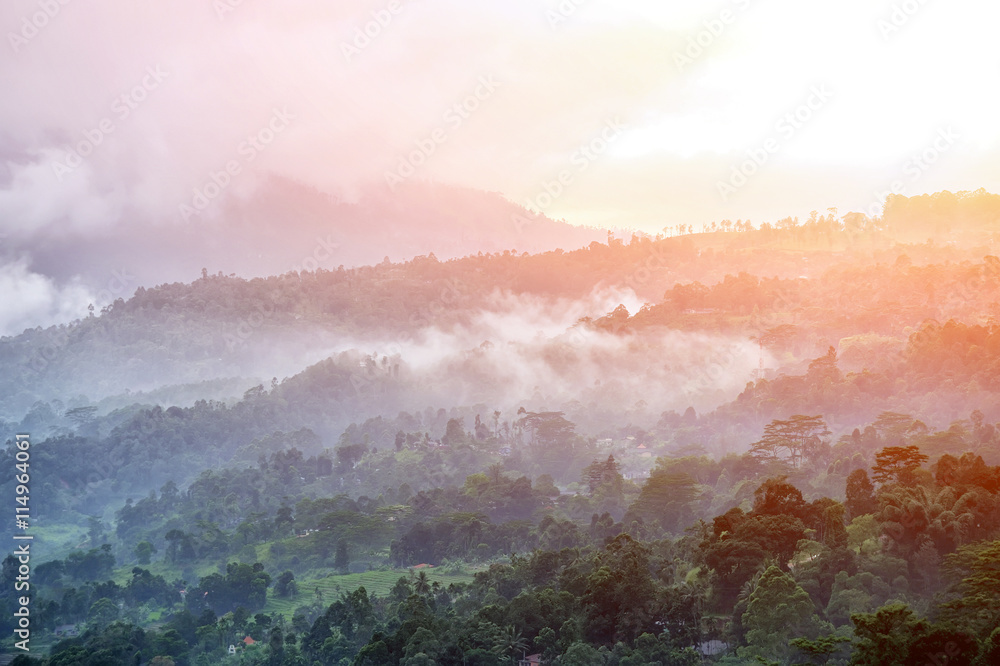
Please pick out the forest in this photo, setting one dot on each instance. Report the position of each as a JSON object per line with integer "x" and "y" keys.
{"x": 759, "y": 444}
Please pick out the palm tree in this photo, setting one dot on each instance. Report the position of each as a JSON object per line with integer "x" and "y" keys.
{"x": 421, "y": 585}
{"x": 224, "y": 626}
{"x": 509, "y": 643}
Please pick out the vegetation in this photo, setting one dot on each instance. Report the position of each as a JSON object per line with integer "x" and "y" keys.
{"x": 839, "y": 506}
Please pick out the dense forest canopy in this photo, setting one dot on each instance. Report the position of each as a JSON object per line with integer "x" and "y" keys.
{"x": 759, "y": 444}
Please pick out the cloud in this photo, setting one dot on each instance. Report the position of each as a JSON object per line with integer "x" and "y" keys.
{"x": 31, "y": 300}
{"x": 366, "y": 83}
{"x": 521, "y": 350}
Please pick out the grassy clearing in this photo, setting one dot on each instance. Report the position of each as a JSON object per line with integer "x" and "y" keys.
{"x": 58, "y": 540}
{"x": 378, "y": 583}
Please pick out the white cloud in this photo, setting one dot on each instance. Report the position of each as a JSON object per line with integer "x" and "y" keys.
{"x": 31, "y": 300}
{"x": 559, "y": 85}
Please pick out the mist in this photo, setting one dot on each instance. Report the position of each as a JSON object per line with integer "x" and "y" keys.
{"x": 542, "y": 354}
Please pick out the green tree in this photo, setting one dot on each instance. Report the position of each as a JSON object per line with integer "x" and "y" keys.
{"x": 778, "y": 611}
{"x": 975, "y": 574}
{"x": 144, "y": 551}
{"x": 666, "y": 497}
{"x": 341, "y": 559}
{"x": 822, "y": 649}
{"x": 884, "y": 636}
{"x": 602, "y": 472}
{"x": 620, "y": 600}
{"x": 285, "y": 585}
{"x": 860, "y": 495}
{"x": 102, "y": 612}
{"x": 581, "y": 654}
{"x": 510, "y": 643}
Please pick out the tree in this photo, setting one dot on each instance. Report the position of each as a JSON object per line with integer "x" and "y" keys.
{"x": 455, "y": 432}
{"x": 161, "y": 661}
{"x": 860, "y": 495}
{"x": 620, "y": 599}
{"x": 795, "y": 436}
{"x": 180, "y": 546}
{"x": 285, "y": 585}
{"x": 777, "y": 497}
{"x": 341, "y": 558}
{"x": 885, "y": 635}
{"x": 243, "y": 585}
{"x": 666, "y": 497}
{"x": 421, "y": 584}
{"x": 778, "y": 611}
{"x": 943, "y": 645}
{"x": 742, "y": 543}
{"x": 550, "y": 430}
{"x": 102, "y": 612}
{"x": 581, "y": 654}
{"x": 823, "y": 370}
{"x": 510, "y": 643}
{"x": 821, "y": 649}
{"x": 976, "y": 578}
{"x": 144, "y": 551}
{"x": 897, "y": 464}
{"x": 892, "y": 427}
{"x": 991, "y": 648}
{"x": 81, "y": 416}
{"x": 598, "y": 473}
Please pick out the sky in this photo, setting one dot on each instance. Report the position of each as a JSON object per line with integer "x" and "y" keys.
{"x": 618, "y": 113}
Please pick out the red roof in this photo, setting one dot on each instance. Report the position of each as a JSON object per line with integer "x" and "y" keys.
{"x": 249, "y": 641}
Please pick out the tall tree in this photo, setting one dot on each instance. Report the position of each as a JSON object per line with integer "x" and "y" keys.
{"x": 860, "y": 495}
{"x": 778, "y": 611}
{"x": 897, "y": 464}
{"x": 790, "y": 439}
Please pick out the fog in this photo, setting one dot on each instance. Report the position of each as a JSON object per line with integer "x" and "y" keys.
{"x": 532, "y": 352}
{"x": 32, "y": 299}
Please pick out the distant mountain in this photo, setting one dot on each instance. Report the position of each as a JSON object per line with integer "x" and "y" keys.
{"x": 288, "y": 226}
